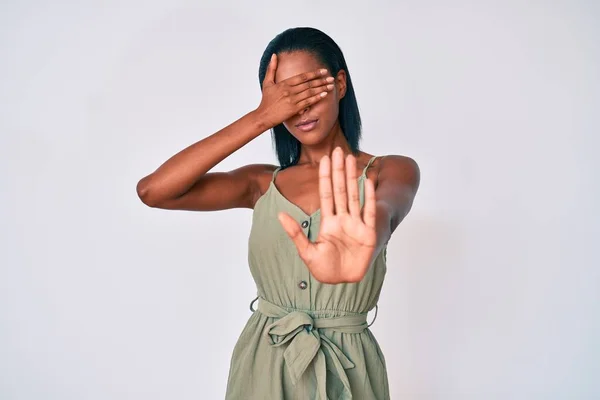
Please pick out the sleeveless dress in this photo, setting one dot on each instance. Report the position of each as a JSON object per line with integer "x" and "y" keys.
{"x": 306, "y": 339}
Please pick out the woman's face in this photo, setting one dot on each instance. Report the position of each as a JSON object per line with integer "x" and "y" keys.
{"x": 325, "y": 111}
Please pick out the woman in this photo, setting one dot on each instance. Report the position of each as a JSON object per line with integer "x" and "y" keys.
{"x": 318, "y": 271}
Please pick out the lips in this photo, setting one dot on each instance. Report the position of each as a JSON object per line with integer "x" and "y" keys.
{"x": 308, "y": 125}
{"x": 306, "y": 122}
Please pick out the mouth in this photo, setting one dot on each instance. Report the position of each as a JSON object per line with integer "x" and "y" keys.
{"x": 307, "y": 125}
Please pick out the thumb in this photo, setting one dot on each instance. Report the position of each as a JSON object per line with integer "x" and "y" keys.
{"x": 294, "y": 231}
{"x": 271, "y": 68}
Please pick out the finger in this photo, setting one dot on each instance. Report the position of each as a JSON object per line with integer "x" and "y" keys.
{"x": 352, "y": 184}
{"x": 271, "y": 68}
{"x": 305, "y": 76}
{"x": 316, "y": 91}
{"x": 325, "y": 193}
{"x": 319, "y": 83}
{"x": 369, "y": 209}
{"x": 310, "y": 101}
{"x": 340, "y": 196}
{"x": 295, "y": 232}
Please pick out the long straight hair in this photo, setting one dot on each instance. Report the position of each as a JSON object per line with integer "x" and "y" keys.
{"x": 312, "y": 40}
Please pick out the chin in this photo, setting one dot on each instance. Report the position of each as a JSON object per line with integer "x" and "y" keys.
{"x": 310, "y": 138}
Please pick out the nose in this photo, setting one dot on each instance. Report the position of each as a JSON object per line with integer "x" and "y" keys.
{"x": 304, "y": 110}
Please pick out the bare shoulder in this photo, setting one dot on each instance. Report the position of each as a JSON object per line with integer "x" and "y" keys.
{"x": 254, "y": 171}
{"x": 260, "y": 176}
{"x": 399, "y": 170}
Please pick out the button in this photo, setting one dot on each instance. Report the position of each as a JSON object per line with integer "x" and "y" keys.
{"x": 304, "y": 224}
{"x": 302, "y": 285}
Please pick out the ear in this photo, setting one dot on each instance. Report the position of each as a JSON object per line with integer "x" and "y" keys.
{"x": 340, "y": 82}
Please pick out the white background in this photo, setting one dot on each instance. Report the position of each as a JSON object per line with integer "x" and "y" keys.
{"x": 493, "y": 281}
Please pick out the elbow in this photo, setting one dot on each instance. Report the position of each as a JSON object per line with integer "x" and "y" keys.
{"x": 144, "y": 192}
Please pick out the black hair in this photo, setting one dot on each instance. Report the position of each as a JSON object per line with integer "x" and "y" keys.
{"x": 329, "y": 53}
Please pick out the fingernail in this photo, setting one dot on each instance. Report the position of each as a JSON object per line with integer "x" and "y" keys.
{"x": 323, "y": 71}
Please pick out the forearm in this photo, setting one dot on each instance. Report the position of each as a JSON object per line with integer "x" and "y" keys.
{"x": 382, "y": 227}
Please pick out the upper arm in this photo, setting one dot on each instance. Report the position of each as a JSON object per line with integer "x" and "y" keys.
{"x": 397, "y": 184}
{"x": 238, "y": 188}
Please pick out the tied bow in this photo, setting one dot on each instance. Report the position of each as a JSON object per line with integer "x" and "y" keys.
{"x": 299, "y": 330}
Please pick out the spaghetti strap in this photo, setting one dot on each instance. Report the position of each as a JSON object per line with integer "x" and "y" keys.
{"x": 275, "y": 174}
{"x": 368, "y": 165}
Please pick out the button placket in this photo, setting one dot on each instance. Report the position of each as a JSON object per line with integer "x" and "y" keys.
{"x": 303, "y": 282}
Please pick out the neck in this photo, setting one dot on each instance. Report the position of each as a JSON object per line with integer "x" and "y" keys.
{"x": 310, "y": 155}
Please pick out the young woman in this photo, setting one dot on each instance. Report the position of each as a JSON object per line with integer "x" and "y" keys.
{"x": 320, "y": 225}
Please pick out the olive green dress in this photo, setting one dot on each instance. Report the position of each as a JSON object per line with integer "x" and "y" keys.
{"x": 306, "y": 339}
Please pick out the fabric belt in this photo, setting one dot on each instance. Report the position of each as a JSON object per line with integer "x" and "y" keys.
{"x": 299, "y": 330}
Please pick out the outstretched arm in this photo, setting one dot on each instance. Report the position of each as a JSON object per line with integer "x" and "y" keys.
{"x": 349, "y": 239}
{"x": 397, "y": 185}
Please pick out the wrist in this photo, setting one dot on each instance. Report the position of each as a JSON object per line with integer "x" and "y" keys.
{"x": 259, "y": 121}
